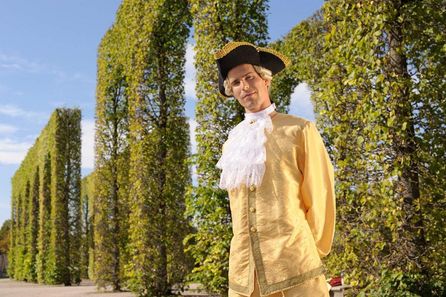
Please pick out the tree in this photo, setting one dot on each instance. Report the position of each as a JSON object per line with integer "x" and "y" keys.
{"x": 87, "y": 237}
{"x": 43, "y": 240}
{"x": 5, "y": 231}
{"x": 110, "y": 207}
{"x": 22, "y": 245}
{"x": 370, "y": 87}
{"x": 216, "y": 23}
{"x": 142, "y": 145}
{"x": 45, "y": 205}
{"x": 5, "y": 238}
{"x": 64, "y": 258}
{"x": 32, "y": 229}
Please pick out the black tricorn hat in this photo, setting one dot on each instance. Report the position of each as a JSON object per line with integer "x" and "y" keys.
{"x": 235, "y": 53}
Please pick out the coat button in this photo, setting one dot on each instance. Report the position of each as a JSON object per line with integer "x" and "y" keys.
{"x": 253, "y": 229}
{"x": 252, "y": 188}
{"x": 252, "y": 209}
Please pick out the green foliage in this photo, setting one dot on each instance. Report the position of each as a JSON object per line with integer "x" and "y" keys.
{"x": 141, "y": 147}
{"x": 110, "y": 180}
{"x": 32, "y": 230}
{"x": 45, "y": 205}
{"x": 394, "y": 284}
{"x": 216, "y": 23}
{"x": 64, "y": 252}
{"x": 44, "y": 222}
{"x": 377, "y": 74}
{"x": 87, "y": 244}
{"x": 424, "y": 27}
{"x": 158, "y": 144}
{"x": 5, "y": 237}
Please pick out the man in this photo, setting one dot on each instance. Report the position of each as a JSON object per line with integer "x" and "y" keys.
{"x": 280, "y": 184}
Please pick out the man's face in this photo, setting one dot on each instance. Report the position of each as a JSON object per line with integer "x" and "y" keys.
{"x": 250, "y": 90}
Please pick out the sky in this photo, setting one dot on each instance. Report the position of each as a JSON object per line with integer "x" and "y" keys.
{"x": 48, "y": 60}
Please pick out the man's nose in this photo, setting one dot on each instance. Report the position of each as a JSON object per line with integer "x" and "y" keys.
{"x": 245, "y": 85}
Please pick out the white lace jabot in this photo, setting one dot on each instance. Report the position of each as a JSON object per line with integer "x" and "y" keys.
{"x": 244, "y": 154}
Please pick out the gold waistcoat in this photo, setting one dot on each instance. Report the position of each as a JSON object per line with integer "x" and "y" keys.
{"x": 286, "y": 225}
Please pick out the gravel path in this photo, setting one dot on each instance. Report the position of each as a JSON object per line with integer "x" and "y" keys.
{"x": 11, "y": 288}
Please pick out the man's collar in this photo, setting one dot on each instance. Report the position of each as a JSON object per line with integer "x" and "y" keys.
{"x": 260, "y": 114}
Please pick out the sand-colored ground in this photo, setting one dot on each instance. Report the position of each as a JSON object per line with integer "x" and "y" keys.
{"x": 11, "y": 288}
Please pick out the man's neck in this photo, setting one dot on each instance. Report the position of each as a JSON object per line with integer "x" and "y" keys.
{"x": 269, "y": 103}
{"x": 266, "y": 111}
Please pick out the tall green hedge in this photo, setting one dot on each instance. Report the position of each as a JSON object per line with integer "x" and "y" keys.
{"x": 44, "y": 222}
{"x": 110, "y": 179}
{"x": 376, "y": 70}
{"x": 45, "y": 205}
{"x": 159, "y": 144}
{"x": 142, "y": 145}
{"x": 87, "y": 230}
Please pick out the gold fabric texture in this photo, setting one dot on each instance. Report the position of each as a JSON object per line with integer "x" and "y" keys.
{"x": 315, "y": 287}
{"x": 283, "y": 227}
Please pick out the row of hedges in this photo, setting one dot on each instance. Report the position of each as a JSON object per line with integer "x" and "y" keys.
{"x": 45, "y": 239}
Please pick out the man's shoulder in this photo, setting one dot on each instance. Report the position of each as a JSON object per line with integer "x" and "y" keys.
{"x": 290, "y": 120}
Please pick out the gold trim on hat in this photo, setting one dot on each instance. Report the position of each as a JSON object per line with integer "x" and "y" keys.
{"x": 229, "y": 47}
{"x": 282, "y": 57}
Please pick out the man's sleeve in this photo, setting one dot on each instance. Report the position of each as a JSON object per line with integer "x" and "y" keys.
{"x": 317, "y": 188}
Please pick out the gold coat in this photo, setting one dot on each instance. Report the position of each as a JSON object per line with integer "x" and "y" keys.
{"x": 285, "y": 226}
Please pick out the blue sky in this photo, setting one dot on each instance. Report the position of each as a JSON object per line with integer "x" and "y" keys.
{"x": 48, "y": 60}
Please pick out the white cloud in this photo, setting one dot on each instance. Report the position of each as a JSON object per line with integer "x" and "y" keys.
{"x": 190, "y": 74}
{"x": 13, "y": 152}
{"x": 301, "y": 104}
{"x": 88, "y": 129}
{"x": 15, "y": 111}
{"x": 16, "y": 63}
{"x": 9, "y": 62}
{"x": 7, "y": 129}
{"x": 193, "y": 141}
{"x": 11, "y": 110}
{"x": 192, "y": 127}
{"x": 62, "y": 76}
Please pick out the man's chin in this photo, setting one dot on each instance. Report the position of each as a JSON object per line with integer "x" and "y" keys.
{"x": 252, "y": 109}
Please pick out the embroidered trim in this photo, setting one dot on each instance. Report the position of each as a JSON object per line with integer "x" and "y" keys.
{"x": 265, "y": 288}
{"x": 281, "y": 56}
{"x": 238, "y": 288}
{"x": 252, "y": 268}
{"x": 284, "y": 285}
{"x": 229, "y": 47}
{"x": 292, "y": 282}
{"x": 255, "y": 243}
